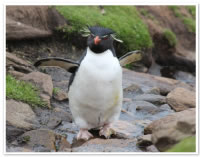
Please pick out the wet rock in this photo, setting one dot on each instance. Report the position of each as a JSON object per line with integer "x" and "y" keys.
{"x": 19, "y": 118}
{"x": 135, "y": 89}
{"x": 153, "y": 90}
{"x": 54, "y": 121}
{"x": 171, "y": 129}
{"x": 62, "y": 114}
{"x": 60, "y": 95}
{"x": 152, "y": 98}
{"x": 17, "y": 149}
{"x": 69, "y": 130}
{"x": 15, "y": 63}
{"x": 43, "y": 140}
{"x": 151, "y": 148}
{"x": 144, "y": 106}
{"x": 180, "y": 99}
{"x": 43, "y": 82}
{"x": 124, "y": 129}
{"x": 60, "y": 77}
{"x": 108, "y": 145}
{"x": 147, "y": 81}
{"x": 145, "y": 140}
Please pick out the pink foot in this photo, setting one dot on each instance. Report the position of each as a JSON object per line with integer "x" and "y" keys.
{"x": 84, "y": 135}
{"x": 106, "y": 131}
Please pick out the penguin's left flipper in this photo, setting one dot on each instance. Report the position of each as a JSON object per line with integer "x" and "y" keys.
{"x": 67, "y": 64}
{"x": 131, "y": 57}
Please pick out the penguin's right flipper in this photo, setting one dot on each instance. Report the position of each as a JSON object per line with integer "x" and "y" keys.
{"x": 68, "y": 65}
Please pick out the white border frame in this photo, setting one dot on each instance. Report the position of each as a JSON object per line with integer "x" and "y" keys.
{"x": 97, "y": 3}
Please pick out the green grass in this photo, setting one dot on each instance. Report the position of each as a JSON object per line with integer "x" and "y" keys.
{"x": 170, "y": 36}
{"x": 56, "y": 90}
{"x": 23, "y": 91}
{"x": 124, "y": 20}
{"x": 190, "y": 23}
{"x": 186, "y": 145}
{"x": 192, "y": 10}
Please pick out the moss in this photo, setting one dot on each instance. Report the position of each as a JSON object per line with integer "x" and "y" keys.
{"x": 23, "y": 91}
{"x": 190, "y": 23}
{"x": 124, "y": 20}
{"x": 175, "y": 9}
{"x": 192, "y": 10}
{"x": 186, "y": 145}
{"x": 56, "y": 90}
{"x": 170, "y": 36}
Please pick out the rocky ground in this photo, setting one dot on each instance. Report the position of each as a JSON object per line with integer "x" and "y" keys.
{"x": 157, "y": 113}
{"x": 159, "y": 101}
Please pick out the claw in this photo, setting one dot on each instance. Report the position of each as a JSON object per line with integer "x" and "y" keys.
{"x": 107, "y": 131}
{"x": 84, "y": 135}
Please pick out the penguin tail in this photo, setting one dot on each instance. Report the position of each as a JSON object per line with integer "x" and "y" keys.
{"x": 67, "y": 64}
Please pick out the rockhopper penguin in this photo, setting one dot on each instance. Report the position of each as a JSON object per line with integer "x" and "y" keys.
{"x": 95, "y": 86}
{"x": 95, "y": 91}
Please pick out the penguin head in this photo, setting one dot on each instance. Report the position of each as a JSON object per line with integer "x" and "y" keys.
{"x": 100, "y": 39}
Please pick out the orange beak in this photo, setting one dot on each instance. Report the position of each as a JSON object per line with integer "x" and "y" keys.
{"x": 97, "y": 40}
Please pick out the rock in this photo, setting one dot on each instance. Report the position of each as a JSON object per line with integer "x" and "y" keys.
{"x": 151, "y": 148}
{"x": 18, "y": 149}
{"x": 19, "y": 118}
{"x": 144, "y": 140}
{"x": 16, "y": 74}
{"x": 181, "y": 99}
{"x": 43, "y": 140}
{"x": 144, "y": 106}
{"x": 152, "y": 98}
{"x": 60, "y": 95}
{"x": 25, "y": 22}
{"x": 107, "y": 145}
{"x": 15, "y": 63}
{"x": 133, "y": 89}
{"x": 54, "y": 121}
{"x": 43, "y": 82}
{"x": 70, "y": 130}
{"x": 62, "y": 114}
{"x": 171, "y": 129}
{"x": 124, "y": 129}
{"x": 153, "y": 90}
{"x": 147, "y": 82}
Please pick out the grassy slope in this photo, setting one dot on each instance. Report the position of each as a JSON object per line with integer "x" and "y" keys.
{"x": 124, "y": 20}
{"x": 190, "y": 23}
{"x": 22, "y": 91}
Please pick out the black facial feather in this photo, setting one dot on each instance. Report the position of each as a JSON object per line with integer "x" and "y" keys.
{"x": 105, "y": 43}
{"x": 100, "y": 31}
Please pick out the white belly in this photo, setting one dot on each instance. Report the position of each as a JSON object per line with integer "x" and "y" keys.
{"x": 95, "y": 96}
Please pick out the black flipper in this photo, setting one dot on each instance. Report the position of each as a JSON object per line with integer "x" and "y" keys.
{"x": 131, "y": 57}
{"x": 67, "y": 64}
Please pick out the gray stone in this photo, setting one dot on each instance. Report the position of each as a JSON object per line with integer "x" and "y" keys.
{"x": 152, "y": 98}
{"x": 43, "y": 82}
{"x": 147, "y": 82}
{"x": 180, "y": 99}
{"x": 171, "y": 129}
{"x": 107, "y": 145}
{"x": 154, "y": 90}
{"x": 44, "y": 140}
{"x": 14, "y": 63}
{"x": 145, "y": 140}
{"x": 60, "y": 95}
{"x": 124, "y": 129}
{"x": 19, "y": 118}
